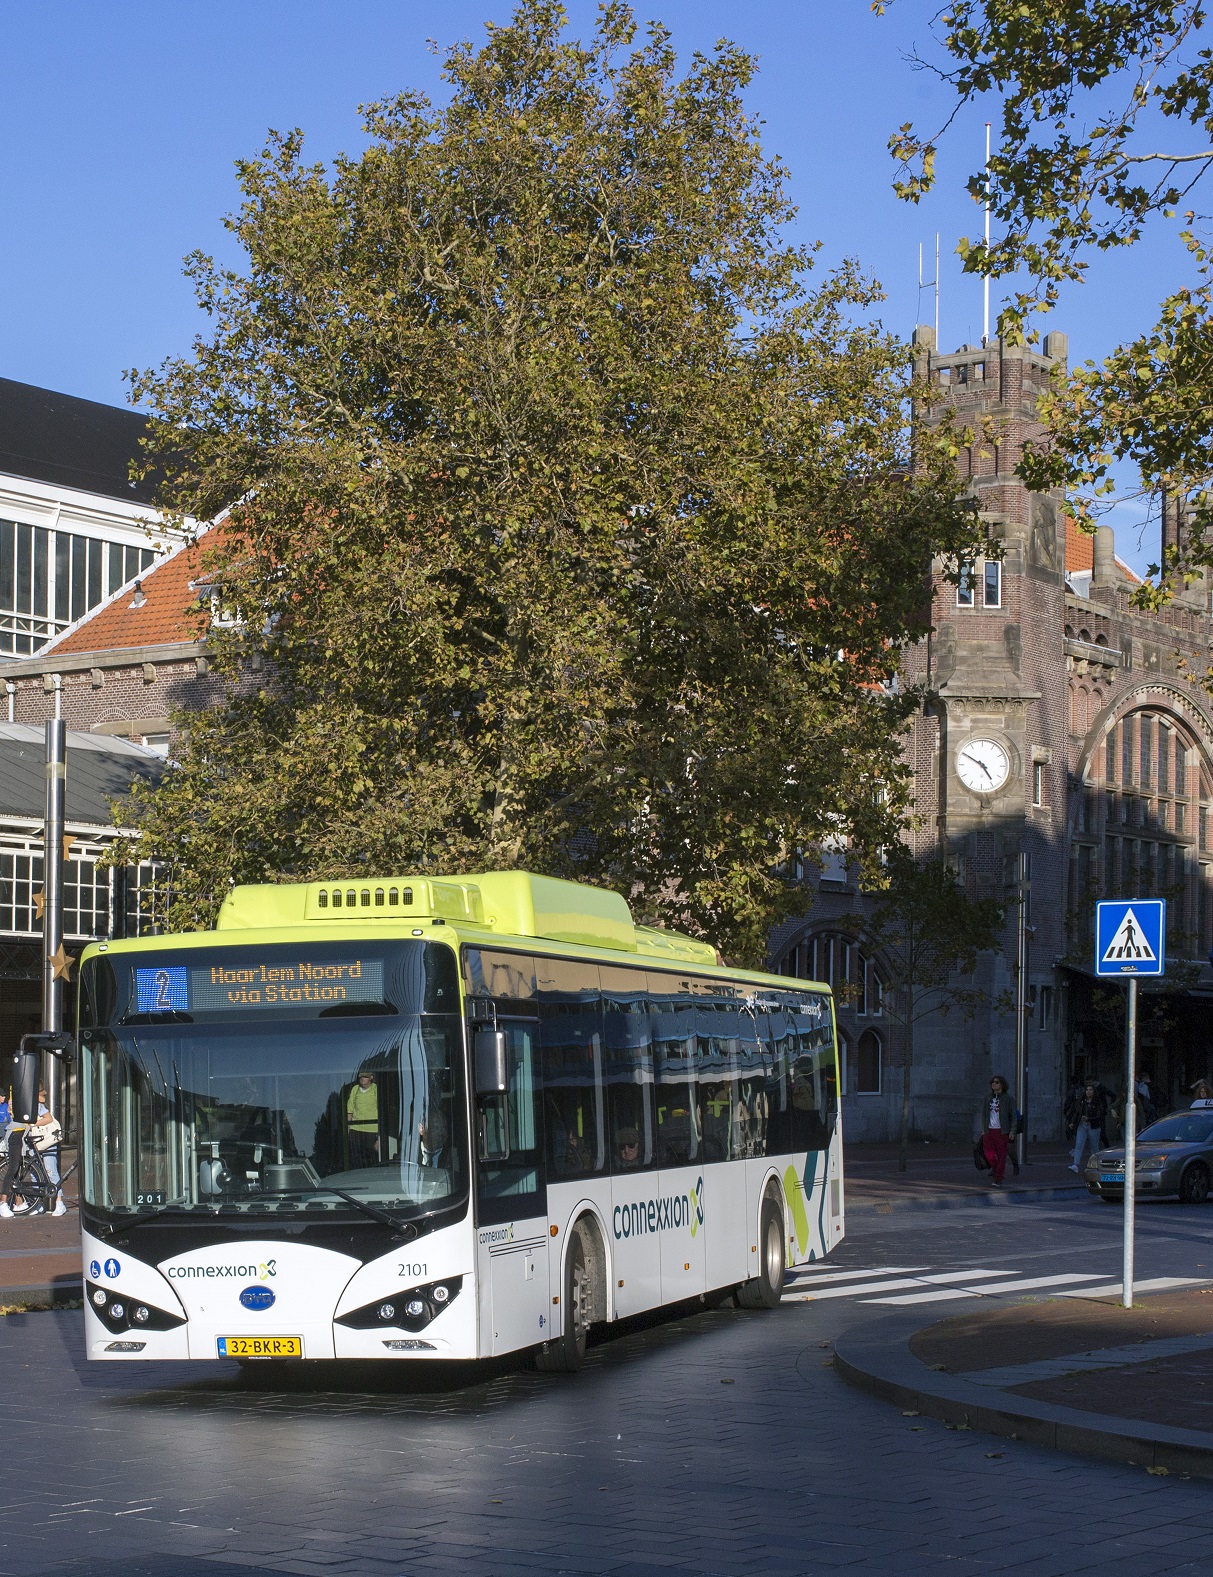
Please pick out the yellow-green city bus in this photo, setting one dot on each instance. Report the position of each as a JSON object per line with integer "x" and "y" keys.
{"x": 414, "y": 1118}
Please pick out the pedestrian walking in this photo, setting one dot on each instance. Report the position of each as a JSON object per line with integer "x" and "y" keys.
{"x": 1091, "y": 1115}
{"x": 1202, "y": 1094}
{"x": 1072, "y": 1106}
{"x": 997, "y": 1126}
{"x": 1146, "y": 1109}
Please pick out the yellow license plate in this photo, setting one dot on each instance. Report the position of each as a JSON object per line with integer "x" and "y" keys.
{"x": 260, "y": 1346}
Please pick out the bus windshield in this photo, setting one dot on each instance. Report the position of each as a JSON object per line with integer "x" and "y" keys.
{"x": 273, "y": 1080}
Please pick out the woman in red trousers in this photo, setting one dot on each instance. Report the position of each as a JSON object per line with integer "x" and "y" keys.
{"x": 997, "y": 1126}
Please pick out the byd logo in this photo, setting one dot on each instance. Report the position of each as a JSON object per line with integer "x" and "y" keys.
{"x": 671, "y": 1211}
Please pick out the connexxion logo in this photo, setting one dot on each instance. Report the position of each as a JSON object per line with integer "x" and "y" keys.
{"x": 262, "y": 1272}
{"x": 659, "y": 1215}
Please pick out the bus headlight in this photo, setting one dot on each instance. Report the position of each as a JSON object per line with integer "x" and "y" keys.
{"x": 410, "y": 1311}
{"x": 119, "y": 1315}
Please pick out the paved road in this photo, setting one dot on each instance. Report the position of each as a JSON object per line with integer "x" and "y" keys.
{"x": 713, "y": 1444}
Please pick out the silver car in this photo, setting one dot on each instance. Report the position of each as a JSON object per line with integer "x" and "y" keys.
{"x": 1174, "y": 1156}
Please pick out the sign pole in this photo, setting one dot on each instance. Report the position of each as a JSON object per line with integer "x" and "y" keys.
{"x": 1130, "y": 940}
{"x": 1130, "y": 1146}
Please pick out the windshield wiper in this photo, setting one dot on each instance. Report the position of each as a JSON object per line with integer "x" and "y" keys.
{"x": 406, "y": 1228}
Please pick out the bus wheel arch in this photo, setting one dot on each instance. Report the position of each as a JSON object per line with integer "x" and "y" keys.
{"x": 582, "y": 1297}
{"x": 766, "y": 1289}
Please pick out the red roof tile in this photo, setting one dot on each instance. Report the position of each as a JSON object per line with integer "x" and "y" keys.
{"x": 1080, "y": 549}
{"x": 159, "y": 618}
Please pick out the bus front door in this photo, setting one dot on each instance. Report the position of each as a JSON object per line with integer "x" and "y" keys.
{"x": 511, "y": 1199}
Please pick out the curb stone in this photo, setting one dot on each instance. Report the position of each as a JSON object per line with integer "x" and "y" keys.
{"x": 63, "y": 1291}
{"x": 991, "y": 1200}
{"x": 875, "y": 1358}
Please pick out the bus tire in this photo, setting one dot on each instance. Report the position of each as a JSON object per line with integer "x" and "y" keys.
{"x": 566, "y": 1352}
{"x": 765, "y": 1291}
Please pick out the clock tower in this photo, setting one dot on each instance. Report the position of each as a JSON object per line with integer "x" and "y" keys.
{"x": 994, "y": 730}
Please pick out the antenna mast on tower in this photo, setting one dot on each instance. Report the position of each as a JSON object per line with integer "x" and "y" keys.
{"x": 985, "y": 332}
{"x": 923, "y": 283}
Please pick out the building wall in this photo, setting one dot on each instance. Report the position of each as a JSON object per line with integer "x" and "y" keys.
{"x": 132, "y": 693}
{"x": 1046, "y": 674}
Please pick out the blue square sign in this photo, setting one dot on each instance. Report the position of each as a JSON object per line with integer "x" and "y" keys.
{"x": 1131, "y": 936}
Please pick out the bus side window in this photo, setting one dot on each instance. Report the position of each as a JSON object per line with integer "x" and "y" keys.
{"x": 570, "y": 1024}
{"x": 629, "y": 1067}
{"x": 673, "y": 1010}
{"x": 716, "y": 1074}
{"x": 778, "y": 1042}
{"x": 814, "y": 1085}
{"x": 509, "y": 1172}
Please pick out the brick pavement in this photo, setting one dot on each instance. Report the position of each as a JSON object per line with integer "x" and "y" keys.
{"x": 939, "y": 1176}
{"x": 645, "y": 1464}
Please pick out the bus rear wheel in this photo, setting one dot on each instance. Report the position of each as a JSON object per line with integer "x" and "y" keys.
{"x": 565, "y": 1353}
{"x": 765, "y": 1291}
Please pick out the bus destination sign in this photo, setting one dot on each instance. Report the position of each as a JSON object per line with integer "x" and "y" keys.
{"x": 233, "y": 988}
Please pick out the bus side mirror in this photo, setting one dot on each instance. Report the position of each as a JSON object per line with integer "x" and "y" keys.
{"x": 54, "y": 1042}
{"x": 27, "y": 1073}
{"x": 491, "y": 1053}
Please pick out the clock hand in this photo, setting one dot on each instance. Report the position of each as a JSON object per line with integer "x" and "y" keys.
{"x": 984, "y": 768}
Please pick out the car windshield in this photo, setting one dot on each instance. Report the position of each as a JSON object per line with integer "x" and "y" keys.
{"x": 1179, "y": 1128}
{"x": 224, "y": 1079}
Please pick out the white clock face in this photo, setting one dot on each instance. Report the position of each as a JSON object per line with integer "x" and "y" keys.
{"x": 983, "y": 765}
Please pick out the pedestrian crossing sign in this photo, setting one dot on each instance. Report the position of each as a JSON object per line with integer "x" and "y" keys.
{"x": 1130, "y": 937}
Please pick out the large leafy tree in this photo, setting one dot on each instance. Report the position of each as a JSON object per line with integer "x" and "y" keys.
{"x": 1106, "y": 127}
{"x": 575, "y": 531}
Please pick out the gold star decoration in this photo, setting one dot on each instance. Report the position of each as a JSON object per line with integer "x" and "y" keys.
{"x": 68, "y": 841}
{"x": 61, "y": 963}
{"x": 39, "y": 905}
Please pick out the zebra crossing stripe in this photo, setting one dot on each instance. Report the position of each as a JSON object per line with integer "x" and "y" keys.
{"x": 1027, "y": 1284}
{"x": 814, "y": 1279}
{"x": 896, "y": 1284}
{"x": 1113, "y": 1289}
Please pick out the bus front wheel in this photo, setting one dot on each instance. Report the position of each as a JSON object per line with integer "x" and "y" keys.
{"x": 565, "y": 1353}
{"x": 765, "y": 1291}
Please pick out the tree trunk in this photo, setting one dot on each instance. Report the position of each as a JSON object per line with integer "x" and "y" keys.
{"x": 907, "y": 1061}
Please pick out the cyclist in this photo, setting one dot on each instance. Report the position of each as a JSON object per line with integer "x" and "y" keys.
{"x": 16, "y": 1144}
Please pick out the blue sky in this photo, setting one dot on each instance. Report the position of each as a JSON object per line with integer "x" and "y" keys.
{"x": 120, "y": 123}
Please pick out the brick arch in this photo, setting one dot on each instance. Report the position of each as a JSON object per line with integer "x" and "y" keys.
{"x": 1179, "y": 701}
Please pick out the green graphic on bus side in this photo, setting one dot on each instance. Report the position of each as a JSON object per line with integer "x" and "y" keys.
{"x": 795, "y": 1198}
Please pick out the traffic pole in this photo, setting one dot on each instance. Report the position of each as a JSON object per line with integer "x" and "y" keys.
{"x": 1130, "y": 1147}
{"x": 52, "y": 891}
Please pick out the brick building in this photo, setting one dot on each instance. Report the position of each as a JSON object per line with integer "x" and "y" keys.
{"x": 1062, "y": 723}
{"x": 74, "y": 533}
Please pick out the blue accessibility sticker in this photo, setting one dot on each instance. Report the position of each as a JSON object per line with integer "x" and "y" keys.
{"x": 94, "y": 1269}
{"x": 112, "y": 1268}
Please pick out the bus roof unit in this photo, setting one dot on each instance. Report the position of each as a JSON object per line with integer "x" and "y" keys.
{"x": 508, "y": 903}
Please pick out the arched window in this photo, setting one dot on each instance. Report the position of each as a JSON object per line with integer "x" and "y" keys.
{"x": 1094, "y": 702}
{"x": 839, "y": 962}
{"x": 1149, "y": 836}
{"x": 869, "y": 1059}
